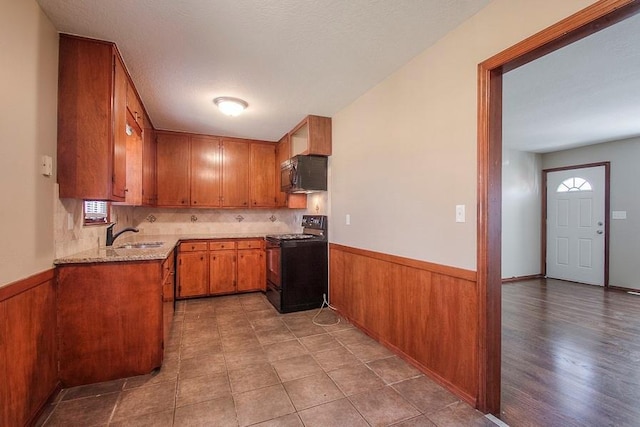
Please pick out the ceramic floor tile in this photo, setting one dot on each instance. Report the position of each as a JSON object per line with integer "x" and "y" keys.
{"x": 458, "y": 414}
{"x": 425, "y": 394}
{"x": 334, "y": 414}
{"x": 355, "y": 379}
{"x": 217, "y": 412}
{"x": 93, "y": 389}
{"x": 202, "y": 365}
{"x": 296, "y": 367}
{"x": 303, "y": 326}
{"x": 284, "y": 350}
{"x": 322, "y": 342}
{"x": 421, "y": 421}
{"x": 336, "y": 358}
{"x": 199, "y": 389}
{"x": 262, "y": 405}
{"x": 243, "y": 358}
{"x": 157, "y": 419}
{"x": 312, "y": 391}
{"x": 368, "y": 351}
{"x": 291, "y": 420}
{"x": 351, "y": 336}
{"x": 253, "y": 377}
{"x": 90, "y": 411}
{"x": 383, "y": 407}
{"x": 274, "y": 336}
{"x": 200, "y": 349}
{"x": 145, "y": 400}
{"x": 393, "y": 369}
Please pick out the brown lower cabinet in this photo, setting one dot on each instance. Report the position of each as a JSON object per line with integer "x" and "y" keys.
{"x": 112, "y": 319}
{"x": 218, "y": 267}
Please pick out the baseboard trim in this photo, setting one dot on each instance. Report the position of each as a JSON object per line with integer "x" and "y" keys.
{"x": 37, "y": 414}
{"x": 623, "y": 289}
{"x": 521, "y": 278}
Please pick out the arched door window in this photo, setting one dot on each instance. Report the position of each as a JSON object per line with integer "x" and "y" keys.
{"x": 574, "y": 184}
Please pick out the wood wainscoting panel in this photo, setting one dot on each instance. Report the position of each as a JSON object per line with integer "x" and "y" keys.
{"x": 425, "y": 312}
{"x": 28, "y": 353}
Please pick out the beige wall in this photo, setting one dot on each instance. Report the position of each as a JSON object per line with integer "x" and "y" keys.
{"x": 28, "y": 84}
{"x": 404, "y": 153}
{"x": 521, "y": 204}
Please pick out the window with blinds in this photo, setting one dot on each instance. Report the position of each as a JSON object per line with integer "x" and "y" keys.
{"x": 96, "y": 212}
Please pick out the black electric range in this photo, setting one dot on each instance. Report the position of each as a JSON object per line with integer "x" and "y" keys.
{"x": 297, "y": 266}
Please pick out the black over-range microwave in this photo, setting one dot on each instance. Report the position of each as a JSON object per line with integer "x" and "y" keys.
{"x": 304, "y": 174}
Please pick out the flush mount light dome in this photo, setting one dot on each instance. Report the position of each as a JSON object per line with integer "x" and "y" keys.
{"x": 230, "y": 106}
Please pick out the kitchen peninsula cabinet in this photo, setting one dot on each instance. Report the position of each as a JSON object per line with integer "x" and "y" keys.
{"x": 232, "y": 265}
{"x": 193, "y": 270}
{"x": 168, "y": 294}
{"x": 111, "y": 319}
{"x": 92, "y": 92}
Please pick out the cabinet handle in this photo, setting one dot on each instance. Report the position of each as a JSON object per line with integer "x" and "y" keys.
{"x": 195, "y": 202}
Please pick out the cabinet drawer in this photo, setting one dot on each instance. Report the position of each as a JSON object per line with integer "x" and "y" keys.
{"x": 214, "y": 246}
{"x": 250, "y": 244}
{"x": 193, "y": 246}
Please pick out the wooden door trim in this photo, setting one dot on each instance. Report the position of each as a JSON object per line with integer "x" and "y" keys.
{"x": 607, "y": 213}
{"x": 583, "y": 23}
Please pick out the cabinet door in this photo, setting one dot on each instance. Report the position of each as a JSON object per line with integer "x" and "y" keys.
{"x": 222, "y": 272}
{"x": 148, "y": 167}
{"x": 205, "y": 171}
{"x": 283, "y": 152}
{"x": 119, "y": 129}
{"x": 251, "y": 270}
{"x": 172, "y": 169}
{"x": 193, "y": 274}
{"x": 235, "y": 174}
{"x": 263, "y": 175}
{"x": 133, "y": 194}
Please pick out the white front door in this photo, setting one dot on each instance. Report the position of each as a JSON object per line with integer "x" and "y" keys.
{"x": 576, "y": 225}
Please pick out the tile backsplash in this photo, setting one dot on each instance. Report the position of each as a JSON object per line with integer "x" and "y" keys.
{"x": 71, "y": 236}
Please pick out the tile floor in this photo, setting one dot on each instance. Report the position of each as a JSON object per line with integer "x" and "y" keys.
{"x": 236, "y": 361}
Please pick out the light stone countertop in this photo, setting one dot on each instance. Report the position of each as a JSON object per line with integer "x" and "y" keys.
{"x": 116, "y": 254}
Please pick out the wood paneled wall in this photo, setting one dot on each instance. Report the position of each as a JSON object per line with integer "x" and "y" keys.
{"x": 425, "y": 312}
{"x": 27, "y": 348}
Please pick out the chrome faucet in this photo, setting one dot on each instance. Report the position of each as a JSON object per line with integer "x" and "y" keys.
{"x": 112, "y": 237}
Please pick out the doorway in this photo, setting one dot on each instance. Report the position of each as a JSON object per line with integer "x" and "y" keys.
{"x": 588, "y": 21}
{"x": 576, "y": 201}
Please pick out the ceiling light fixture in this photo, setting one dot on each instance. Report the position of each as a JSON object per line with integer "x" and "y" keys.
{"x": 230, "y": 106}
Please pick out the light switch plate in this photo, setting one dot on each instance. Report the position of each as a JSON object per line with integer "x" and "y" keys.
{"x": 46, "y": 165}
{"x": 460, "y": 214}
{"x": 347, "y": 219}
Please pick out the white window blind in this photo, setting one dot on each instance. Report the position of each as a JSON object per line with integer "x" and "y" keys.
{"x": 95, "y": 211}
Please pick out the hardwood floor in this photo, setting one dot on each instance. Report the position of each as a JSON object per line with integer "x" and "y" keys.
{"x": 570, "y": 355}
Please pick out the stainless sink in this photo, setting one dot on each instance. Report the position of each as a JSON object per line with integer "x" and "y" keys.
{"x": 141, "y": 245}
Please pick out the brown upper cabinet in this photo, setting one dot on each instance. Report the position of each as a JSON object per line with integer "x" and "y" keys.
{"x": 92, "y": 115}
{"x": 285, "y": 200}
{"x": 214, "y": 172}
{"x": 172, "y": 169}
{"x": 263, "y": 175}
{"x": 134, "y": 105}
{"x": 311, "y": 136}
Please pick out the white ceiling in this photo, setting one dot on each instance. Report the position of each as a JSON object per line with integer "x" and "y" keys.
{"x": 585, "y": 93}
{"x": 286, "y": 58}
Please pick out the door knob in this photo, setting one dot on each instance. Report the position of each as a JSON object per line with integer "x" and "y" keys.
{"x": 599, "y": 231}
{"x": 600, "y": 223}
